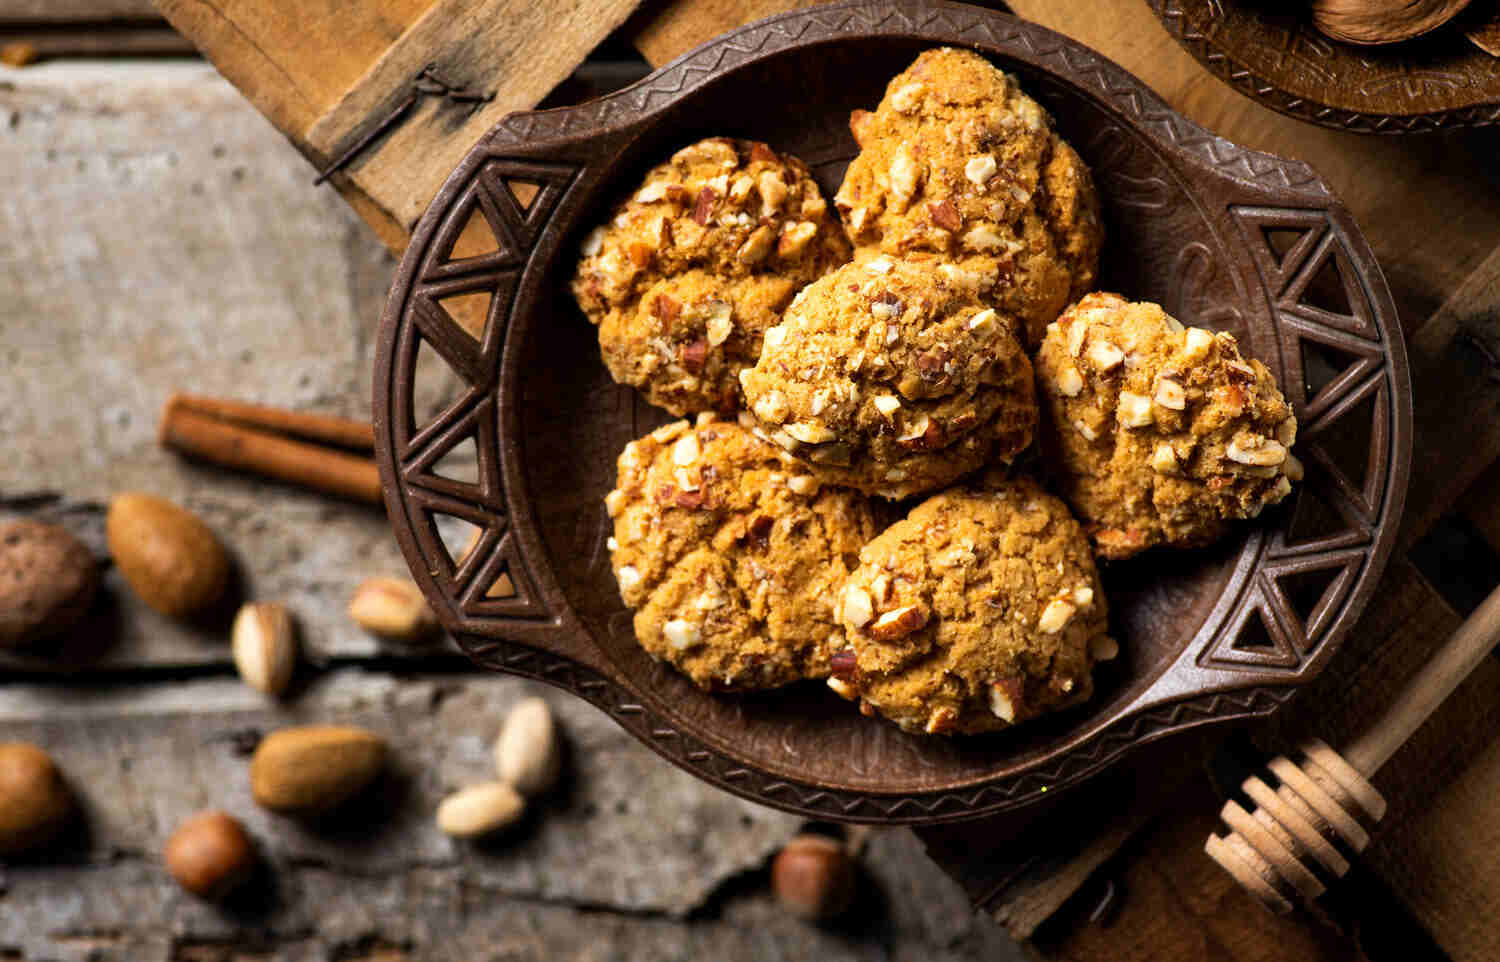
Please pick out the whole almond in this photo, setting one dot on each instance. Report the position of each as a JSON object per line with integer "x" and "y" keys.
{"x": 210, "y": 854}
{"x": 313, "y": 768}
{"x": 34, "y": 801}
{"x": 480, "y": 810}
{"x": 264, "y": 646}
{"x": 392, "y": 608}
{"x": 169, "y": 557}
{"x": 47, "y": 581}
{"x": 527, "y": 753}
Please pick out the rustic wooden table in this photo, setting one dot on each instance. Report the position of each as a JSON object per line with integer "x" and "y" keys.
{"x": 155, "y": 235}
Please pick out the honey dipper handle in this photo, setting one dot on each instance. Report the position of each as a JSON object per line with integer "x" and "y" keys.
{"x": 1448, "y": 666}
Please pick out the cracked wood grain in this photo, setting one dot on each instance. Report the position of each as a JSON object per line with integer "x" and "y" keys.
{"x": 631, "y": 854}
{"x": 627, "y": 832}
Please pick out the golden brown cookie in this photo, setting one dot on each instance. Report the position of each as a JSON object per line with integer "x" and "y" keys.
{"x": 731, "y": 557}
{"x": 978, "y": 611}
{"x": 1156, "y": 433}
{"x": 697, "y": 263}
{"x": 957, "y": 163}
{"x": 886, "y": 377}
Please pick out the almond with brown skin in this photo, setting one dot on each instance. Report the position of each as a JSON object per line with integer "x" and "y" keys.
{"x": 311, "y": 769}
{"x": 34, "y": 801}
{"x": 167, "y": 555}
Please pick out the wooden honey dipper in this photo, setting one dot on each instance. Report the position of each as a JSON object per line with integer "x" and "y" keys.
{"x": 1289, "y": 845}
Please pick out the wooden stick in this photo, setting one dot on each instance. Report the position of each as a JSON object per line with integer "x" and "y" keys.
{"x": 1449, "y": 666}
{"x": 344, "y": 432}
{"x": 189, "y": 430}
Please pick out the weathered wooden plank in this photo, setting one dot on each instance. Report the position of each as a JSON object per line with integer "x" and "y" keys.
{"x": 1173, "y": 904}
{"x": 329, "y": 76}
{"x": 627, "y": 846}
{"x": 436, "y": 915}
{"x": 144, "y": 757}
{"x": 148, "y": 39}
{"x": 156, "y": 235}
{"x": 76, "y": 11}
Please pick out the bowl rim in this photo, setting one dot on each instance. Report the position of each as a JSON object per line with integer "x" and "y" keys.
{"x": 1219, "y": 54}
{"x": 536, "y": 634}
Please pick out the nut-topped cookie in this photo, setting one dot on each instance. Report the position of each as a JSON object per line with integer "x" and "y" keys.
{"x": 694, "y": 266}
{"x": 1157, "y": 433}
{"x": 731, "y": 556}
{"x": 889, "y": 378}
{"x": 958, "y": 163}
{"x": 978, "y": 611}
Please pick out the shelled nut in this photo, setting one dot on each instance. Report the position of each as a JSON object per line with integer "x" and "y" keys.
{"x": 527, "y": 753}
{"x": 480, "y": 810}
{"x": 392, "y": 608}
{"x": 264, "y": 646}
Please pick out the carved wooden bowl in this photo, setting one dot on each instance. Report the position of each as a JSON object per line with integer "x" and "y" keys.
{"x": 1222, "y": 236}
{"x": 1272, "y": 53}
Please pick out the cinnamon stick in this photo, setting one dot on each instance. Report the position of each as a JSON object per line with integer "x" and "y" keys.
{"x": 344, "y": 432}
{"x": 188, "y": 429}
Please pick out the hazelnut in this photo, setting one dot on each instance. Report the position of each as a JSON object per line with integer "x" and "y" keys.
{"x": 210, "y": 855}
{"x": 34, "y": 801}
{"x": 813, "y": 877}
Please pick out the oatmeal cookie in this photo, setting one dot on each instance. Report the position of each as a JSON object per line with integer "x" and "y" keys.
{"x": 1159, "y": 434}
{"x": 957, "y": 163}
{"x": 697, "y": 263}
{"x": 978, "y": 611}
{"x": 731, "y": 557}
{"x": 886, "y": 377}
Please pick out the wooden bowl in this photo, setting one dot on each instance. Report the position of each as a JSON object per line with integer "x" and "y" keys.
{"x": 1220, "y": 235}
{"x": 1273, "y": 54}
